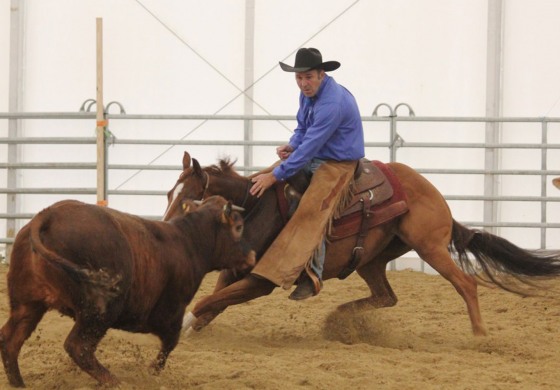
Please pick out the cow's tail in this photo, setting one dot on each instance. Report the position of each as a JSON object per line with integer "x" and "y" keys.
{"x": 498, "y": 261}
{"x": 99, "y": 284}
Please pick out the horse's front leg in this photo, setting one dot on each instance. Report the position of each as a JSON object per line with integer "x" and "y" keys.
{"x": 210, "y": 306}
{"x": 227, "y": 277}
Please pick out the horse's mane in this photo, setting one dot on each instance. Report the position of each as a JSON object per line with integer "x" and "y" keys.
{"x": 224, "y": 168}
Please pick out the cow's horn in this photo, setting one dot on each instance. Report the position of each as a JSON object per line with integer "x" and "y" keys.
{"x": 197, "y": 202}
{"x": 238, "y": 208}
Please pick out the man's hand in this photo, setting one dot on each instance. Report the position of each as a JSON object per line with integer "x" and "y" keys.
{"x": 261, "y": 183}
{"x": 284, "y": 151}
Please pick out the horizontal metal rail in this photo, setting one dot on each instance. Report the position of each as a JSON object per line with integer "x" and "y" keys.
{"x": 144, "y": 167}
{"x": 372, "y": 118}
{"x": 90, "y": 191}
{"x": 121, "y": 141}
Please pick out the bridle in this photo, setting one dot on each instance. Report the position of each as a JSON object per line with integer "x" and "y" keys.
{"x": 245, "y": 198}
{"x": 238, "y": 208}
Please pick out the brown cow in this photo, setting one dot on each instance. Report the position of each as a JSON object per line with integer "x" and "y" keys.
{"x": 108, "y": 269}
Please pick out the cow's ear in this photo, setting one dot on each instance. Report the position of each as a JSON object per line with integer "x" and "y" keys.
{"x": 188, "y": 206}
{"x": 186, "y": 160}
{"x": 226, "y": 212}
{"x": 196, "y": 167}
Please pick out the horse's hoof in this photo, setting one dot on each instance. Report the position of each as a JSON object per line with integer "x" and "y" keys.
{"x": 480, "y": 332}
{"x": 203, "y": 320}
{"x": 188, "y": 321}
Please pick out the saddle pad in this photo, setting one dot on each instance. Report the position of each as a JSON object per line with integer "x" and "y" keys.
{"x": 349, "y": 224}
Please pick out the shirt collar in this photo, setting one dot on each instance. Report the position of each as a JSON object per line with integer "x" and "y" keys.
{"x": 321, "y": 87}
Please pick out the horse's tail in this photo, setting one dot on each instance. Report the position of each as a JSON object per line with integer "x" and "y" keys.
{"x": 496, "y": 257}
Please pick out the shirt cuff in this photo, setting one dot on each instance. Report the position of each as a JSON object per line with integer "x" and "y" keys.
{"x": 278, "y": 173}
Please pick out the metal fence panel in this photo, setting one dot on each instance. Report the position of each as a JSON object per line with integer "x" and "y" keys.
{"x": 450, "y": 152}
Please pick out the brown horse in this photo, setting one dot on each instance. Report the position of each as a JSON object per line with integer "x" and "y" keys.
{"x": 428, "y": 228}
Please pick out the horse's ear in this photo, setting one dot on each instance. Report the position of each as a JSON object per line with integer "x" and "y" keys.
{"x": 186, "y": 160}
{"x": 196, "y": 167}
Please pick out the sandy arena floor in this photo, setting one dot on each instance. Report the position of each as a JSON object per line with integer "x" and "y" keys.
{"x": 424, "y": 342}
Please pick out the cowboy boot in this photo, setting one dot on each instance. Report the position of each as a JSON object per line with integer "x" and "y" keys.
{"x": 306, "y": 288}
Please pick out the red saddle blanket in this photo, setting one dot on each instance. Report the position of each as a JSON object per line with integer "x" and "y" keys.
{"x": 386, "y": 200}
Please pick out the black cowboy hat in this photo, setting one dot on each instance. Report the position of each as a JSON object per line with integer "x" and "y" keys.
{"x": 307, "y": 59}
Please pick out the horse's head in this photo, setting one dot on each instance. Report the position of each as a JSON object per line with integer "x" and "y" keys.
{"x": 189, "y": 186}
{"x": 197, "y": 183}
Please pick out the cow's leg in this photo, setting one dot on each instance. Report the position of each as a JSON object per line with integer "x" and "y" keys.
{"x": 159, "y": 364}
{"x": 22, "y": 322}
{"x": 244, "y": 290}
{"x": 169, "y": 337}
{"x": 81, "y": 344}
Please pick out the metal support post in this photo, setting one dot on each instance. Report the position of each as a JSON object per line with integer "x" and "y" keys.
{"x": 15, "y": 99}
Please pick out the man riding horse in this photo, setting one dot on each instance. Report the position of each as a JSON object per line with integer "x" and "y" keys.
{"x": 325, "y": 147}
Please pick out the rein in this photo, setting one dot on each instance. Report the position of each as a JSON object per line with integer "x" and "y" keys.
{"x": 245, "y": 198}
{"x": 246, "y": 193}
{"x": 205, "y": 186}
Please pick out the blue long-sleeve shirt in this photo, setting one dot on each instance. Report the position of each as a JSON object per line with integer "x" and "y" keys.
{"x": 329, "y": 127}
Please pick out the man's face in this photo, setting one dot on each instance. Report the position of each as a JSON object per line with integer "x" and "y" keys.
{"x": 309, "y": 82}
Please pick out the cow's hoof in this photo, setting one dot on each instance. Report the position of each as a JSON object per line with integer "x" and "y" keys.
{"x": 156, "y": 367}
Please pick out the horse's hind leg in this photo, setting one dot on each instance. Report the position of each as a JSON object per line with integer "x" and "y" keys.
{"x": 465, "y": 284}
{"x": 22, "y": 322}
{"x": 81, "y": 344}
{"x": 375, "y": 276}
{"x": 427, "y": 228}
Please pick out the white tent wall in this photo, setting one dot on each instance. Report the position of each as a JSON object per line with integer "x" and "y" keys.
{"x": 4, "y": 77}
{"x": 187, "y": 57}
{"x": 531, "y": 83}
